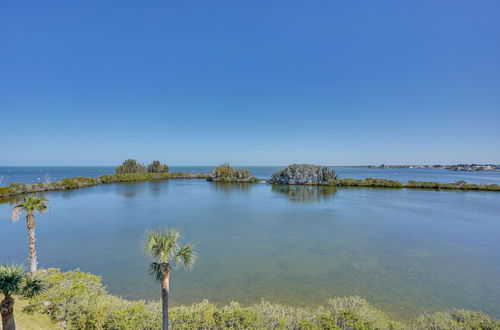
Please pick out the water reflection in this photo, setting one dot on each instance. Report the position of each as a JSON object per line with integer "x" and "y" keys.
{"x": 157, "y": 188}
{"x": 228, "y": 188}
{"x": 129, "y": 190}
{"x": 305, "y": 194}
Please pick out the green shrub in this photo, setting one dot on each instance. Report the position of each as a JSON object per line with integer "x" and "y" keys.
{"x": 6, "y": 191}
{"x": 130, "y": 166}
{"x": 70, "y": 184}
{"x": 455, "y": 319}
{"x": 80, "y": 301}
{"x": 305, "y": 174}
{"x": 370, "y": 182}
{"x": 157, "y": 167}
{"x": 225, "y": 173}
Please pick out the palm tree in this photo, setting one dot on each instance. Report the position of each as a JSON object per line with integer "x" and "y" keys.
{"x": 15, "y": 281}
{"x": 164, "y": 248}
{"x": 30, "y": 205}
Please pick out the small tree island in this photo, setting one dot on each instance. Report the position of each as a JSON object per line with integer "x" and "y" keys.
{"x": 305, "y": 174}
{"x": 226, "y": 174}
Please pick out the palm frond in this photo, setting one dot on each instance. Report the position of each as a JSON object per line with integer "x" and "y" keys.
{"x": 162, "y": 245}
{"x": 32, "y": 287}
{"x": 186, "y": 255}
{"x": 11, "y": 279}
{"x": 16, "y": 213}
{"x": 159, "y": 269}
{"x": 30, "y": 204}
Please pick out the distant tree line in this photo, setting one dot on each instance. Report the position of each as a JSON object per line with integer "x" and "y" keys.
{"x": 133, "y": 166}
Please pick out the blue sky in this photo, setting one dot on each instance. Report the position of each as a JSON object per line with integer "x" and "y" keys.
{"x": 249, "y": 82}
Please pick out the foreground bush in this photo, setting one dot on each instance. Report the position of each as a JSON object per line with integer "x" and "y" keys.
{"x": 305, "y": 174}
{"x": 79, "y": 300}
{"x": 225, "y": 173}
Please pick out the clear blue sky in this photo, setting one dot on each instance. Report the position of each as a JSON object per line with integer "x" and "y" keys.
{"x": 249, "y": 82}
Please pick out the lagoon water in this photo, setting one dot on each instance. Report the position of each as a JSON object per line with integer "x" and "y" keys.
{"x": 406, "y": 251}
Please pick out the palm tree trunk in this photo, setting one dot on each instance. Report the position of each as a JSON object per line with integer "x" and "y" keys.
{"x": 7, "y": 311}
{"x": 30, "y": 222}
{"x": 165, "y": 289}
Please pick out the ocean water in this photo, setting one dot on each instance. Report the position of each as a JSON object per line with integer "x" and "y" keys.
{"x": 35, "y": 174}
{"x": 406, "y": 251}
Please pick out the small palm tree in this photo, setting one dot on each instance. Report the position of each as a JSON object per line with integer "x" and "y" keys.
{"x": 164, "y": 248}
{"x": 15, "y": 281}
{"x": 30, "y": 205}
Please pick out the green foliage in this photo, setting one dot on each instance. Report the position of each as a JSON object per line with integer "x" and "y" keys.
{"x": 133, "y": 177}
{"x": 130, "y": 166}
{"x": 30, "y": 205}
{"x": 15, "y": 281}
{"x": 70, "y": 184}
{"x": 458, "y": 185}
{"x": 455, "y": 319}
{"x": 370, "y": 182}
{"x": 80, "y": 301}
{"x": 226, "y": 174}
{"x": 305, "y": 174}
{"x": 81, "y": 182}
{"x": 157, "y": 167}
{"x": 6, "y": 191}
{"x": 163, "y": 247}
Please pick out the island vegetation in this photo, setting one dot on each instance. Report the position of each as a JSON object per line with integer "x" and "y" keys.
{"x": 130, "y": 166}
{"x": 295, "y": 174}
{"x": 305, "y": 174}
{"x": 157, "y": 167}
{"x": 227, "y": 174}
{"x": 133, "y": 166}
{"x": 82, "y": 182}
{"x": 384, "y": 183}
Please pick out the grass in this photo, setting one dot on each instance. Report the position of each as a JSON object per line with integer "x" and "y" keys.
{"x": 34, "y": 321}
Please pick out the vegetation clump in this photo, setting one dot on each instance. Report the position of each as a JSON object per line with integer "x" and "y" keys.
{"x": 306, "y": 174}
{"x": 14, "y": 281}
{"x": 458, "y": 185}
{"x": 157, "y": 167}
{"x": 81, "y": 182}
{"x": 79, "y": 300}
{"x": 130, "y": 166}
{"x": 370, "y": 182}
{"x": 384, "y": 183}
{"x": 225, "y": 174}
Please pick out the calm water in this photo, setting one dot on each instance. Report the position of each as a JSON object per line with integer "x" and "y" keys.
{"x": 35, "y": 174}
{"x": 406, "y": 251}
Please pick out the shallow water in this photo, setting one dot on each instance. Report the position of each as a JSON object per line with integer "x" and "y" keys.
{"x": 406, "y": 251}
